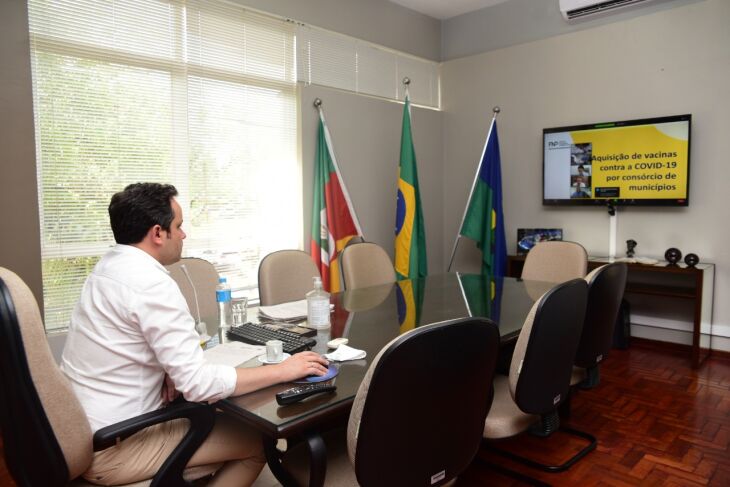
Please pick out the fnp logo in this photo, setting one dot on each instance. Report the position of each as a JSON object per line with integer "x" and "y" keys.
{"x": 557, "y": 144}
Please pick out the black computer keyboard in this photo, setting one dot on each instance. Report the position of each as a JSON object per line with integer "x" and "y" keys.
{"x": 257, "y": 334}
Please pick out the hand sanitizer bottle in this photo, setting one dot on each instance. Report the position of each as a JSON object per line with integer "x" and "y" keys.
{"x": 318, "y": 306}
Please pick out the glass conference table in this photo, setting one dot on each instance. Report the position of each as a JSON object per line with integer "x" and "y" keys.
{"x": 370, "y": 318}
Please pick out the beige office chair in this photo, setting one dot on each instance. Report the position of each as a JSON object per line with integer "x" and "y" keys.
{"x": 411, "y": 422}
{"x": 285, "y": 275}
{"x": 46, "y": 437}
{"x": 198, "y": 286}
{"x": 366, "y": 264}
{"x": 555, "y": 261}
{"x": 540, "y": 372}
{"x": 353, "y": 241}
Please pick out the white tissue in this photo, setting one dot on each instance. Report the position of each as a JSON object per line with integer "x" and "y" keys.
{"x": 344, "y": 353}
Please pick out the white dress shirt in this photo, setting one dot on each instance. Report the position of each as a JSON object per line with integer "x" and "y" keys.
{"x": 130, "y": 327}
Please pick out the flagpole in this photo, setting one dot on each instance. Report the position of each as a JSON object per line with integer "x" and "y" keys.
{"x": 463, "y": 294}
{"x": 407, "y": 83}
{"x": 330, "y": 148}
{"x": 496, "y": 111}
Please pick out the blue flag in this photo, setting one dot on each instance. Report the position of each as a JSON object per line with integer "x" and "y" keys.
{"x": 484, "y": 219}
{"x": 483, "y": 295}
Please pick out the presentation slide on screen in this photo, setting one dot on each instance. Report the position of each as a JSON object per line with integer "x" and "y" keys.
{"x": 627, "y": 162}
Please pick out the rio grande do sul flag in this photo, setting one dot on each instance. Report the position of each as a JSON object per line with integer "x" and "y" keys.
{"x": 334, "y": 221}
{"x": 410, "y": 233}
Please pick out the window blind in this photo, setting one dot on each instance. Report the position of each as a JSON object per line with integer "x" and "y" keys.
{"x": 200, "y": 94}
{"x": 335, "y": 60}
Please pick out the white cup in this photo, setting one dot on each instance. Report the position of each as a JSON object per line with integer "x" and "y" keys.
{"x": 274, "y": 351}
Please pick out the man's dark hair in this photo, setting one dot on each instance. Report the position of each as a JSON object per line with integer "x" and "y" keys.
{"x": 138, "y": 208}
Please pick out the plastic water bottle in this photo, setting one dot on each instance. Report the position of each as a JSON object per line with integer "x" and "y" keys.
{"x": 318, "y": 306}
{"x": 223, "y": 296}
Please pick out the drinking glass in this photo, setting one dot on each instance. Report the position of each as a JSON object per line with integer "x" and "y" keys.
{"x": 238, "y": 310}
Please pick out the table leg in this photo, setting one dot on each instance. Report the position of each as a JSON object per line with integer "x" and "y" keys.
{"x": 273, "y": 458}
{"x": 317, "y": 461}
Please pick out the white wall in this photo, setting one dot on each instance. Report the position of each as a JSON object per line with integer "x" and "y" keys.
{"x": 669, "y": 62}
{"x": 20, "y": 238}
{"x": 519, "y": 21}
{"x": 366, "y": 137}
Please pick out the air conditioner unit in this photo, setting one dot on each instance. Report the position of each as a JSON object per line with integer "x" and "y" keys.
{"x": 574, "y": 10}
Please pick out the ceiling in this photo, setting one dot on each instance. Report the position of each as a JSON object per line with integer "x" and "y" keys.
{"x": 445, "y": 9}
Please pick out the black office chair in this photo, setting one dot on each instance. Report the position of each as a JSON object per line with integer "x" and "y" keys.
{"x": 540, "y": 372}
{"x": 606, "y": 286}
{"x": 419, "y": 412}
{"x": 47, "y": 438}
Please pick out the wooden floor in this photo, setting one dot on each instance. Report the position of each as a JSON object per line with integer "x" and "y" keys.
{"x": 658, "y": 422}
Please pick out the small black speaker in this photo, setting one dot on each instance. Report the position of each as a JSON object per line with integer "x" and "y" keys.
{"x": 672, "y": 255}
{"x": 691, "y": 260}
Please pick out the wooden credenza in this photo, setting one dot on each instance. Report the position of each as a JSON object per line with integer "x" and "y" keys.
{"x": 694, "y": 284}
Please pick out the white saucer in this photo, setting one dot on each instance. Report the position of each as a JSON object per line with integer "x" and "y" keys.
{"x": 262, "y": 359}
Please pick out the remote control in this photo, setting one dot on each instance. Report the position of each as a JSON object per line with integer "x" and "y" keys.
{"x": 298, "y": 393}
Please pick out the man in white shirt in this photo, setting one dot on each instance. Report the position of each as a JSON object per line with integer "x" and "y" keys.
{"x": 132, "y": 347}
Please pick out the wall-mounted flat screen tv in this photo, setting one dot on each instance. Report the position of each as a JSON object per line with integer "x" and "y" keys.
{"x": 633, "y": 162}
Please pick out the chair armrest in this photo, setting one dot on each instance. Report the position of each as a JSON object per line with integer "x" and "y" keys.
{"x": 201, "y": 417}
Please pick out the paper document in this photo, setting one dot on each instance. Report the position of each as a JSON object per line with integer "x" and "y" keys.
{"x": 233, "y": 353}
{"x": 291, "y": 311}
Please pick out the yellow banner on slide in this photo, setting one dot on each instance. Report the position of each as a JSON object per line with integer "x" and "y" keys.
{"x": 643, "y": 161}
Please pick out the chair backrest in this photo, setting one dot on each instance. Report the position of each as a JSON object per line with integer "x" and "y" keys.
{"x": 605, "y": 290}
{"x": 285, "y": 276}
{"x": 366, "y": 264}
{"x": 542, "y": 362}
{"x": 366, "y": 298}
{"x": 419, "y": 413}
{"x": 555, "y": 261}
{"x": 47, "y": 438}
{"x": 205, "y": 279}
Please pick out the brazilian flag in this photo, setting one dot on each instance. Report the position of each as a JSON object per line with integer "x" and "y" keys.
{"x": 409, "y": 299}
{"x": 410, "y": 233}
{"x": 484, "y": 219}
